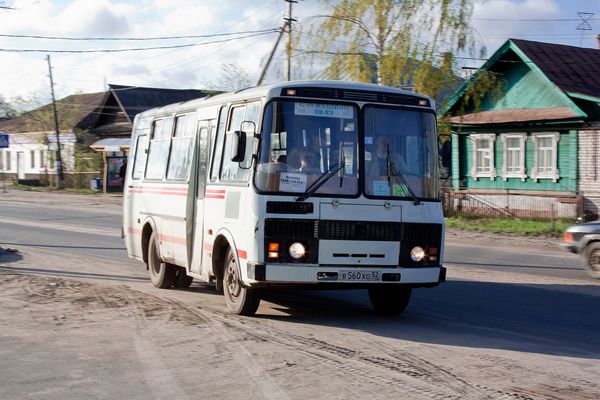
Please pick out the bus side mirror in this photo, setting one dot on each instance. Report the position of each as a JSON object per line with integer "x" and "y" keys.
{"x": 238, "y": 146}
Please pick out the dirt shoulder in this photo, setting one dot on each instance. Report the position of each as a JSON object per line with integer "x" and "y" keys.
{"x": 62, "y": 199}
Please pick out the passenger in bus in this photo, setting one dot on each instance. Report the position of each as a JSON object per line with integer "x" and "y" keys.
{"x": 378, "y": 166}
{"x": 309, "y": 163}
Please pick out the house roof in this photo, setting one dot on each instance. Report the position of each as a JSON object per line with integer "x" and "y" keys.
{"x": 571, "y": 73}
{"x": 519, "y": 115}
{"x": 82, "y": 111}
{"x": 82, "y": 114}
{"x": 135, "y": 99}
{"x": 572, "y": 69}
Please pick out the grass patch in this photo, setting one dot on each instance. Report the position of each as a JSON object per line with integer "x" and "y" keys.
{"x": 510, "y": 225}
{"x": 41, "y": 188}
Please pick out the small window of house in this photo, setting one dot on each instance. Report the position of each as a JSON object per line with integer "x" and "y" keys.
{"x": 139, "y": 163}
{"x": 514, "y": 156}
{"x": 32, "y": 156}
{"x": 1, "y": 160}
{"x": 545, "y": 156}
{"x": 182, "y": 149}
{"x": 158, "y": 153}
{"x": 483, "y": 156}
{"x": 8, "y": 161}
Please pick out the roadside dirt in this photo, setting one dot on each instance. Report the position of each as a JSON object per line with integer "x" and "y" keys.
{"x": 68, "y": 339}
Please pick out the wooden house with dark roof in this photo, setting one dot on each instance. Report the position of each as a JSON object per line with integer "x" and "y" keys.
{"x": 102, "y": 116}
{"x": 534, "y": 149}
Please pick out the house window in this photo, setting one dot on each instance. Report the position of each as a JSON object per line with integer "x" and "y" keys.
{"x": 545, "y": 156}
{"x": 32, "y": 154}
{"x": 483, "y": 156}
{"x": 8, "y": 163}
{"x": 1, "y": 160}
{"x": 514, "y": 156}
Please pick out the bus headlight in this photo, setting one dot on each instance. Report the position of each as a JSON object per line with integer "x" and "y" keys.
{"x": 297, "y": 250}
{"x": 417, "y": 254}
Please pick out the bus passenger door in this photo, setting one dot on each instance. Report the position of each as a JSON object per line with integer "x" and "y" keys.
{"x": 196, "y": 228}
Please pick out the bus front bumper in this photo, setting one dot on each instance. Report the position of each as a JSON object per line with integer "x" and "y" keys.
{"x": 261, "y": 275}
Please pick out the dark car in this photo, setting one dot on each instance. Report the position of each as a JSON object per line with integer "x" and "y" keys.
{"x": 584, "y": 239}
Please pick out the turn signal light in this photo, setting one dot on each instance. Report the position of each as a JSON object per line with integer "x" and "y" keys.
{"x": 273, "y": 246}
{"x": 568, "y": 237}
{"x": 273, "y": 250}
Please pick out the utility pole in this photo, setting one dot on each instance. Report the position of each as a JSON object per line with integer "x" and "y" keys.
{"x": 288, "y": 48}
{"x": 59, "y": 166}
{"x": 266, "y": 66}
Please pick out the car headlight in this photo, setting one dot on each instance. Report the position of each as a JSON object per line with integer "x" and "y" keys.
{"x": 417, "y": 254}
{"x": 297, "y": 250}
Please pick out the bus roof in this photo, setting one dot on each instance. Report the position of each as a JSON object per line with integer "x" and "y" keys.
{"x": 275, "y": 90}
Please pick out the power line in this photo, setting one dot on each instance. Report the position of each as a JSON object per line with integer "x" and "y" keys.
{"x": 532, "y": 19}
{"x": 134, "y": 38}
{"x": 179, "y": 46}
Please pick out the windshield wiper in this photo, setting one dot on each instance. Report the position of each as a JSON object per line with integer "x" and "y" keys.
{"x": 321, "y": 181}
{"x": 393, "y": 171}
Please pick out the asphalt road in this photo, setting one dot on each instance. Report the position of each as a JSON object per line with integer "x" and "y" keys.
{"x": 511, "y": 336}
{"x": 97, "y": 233}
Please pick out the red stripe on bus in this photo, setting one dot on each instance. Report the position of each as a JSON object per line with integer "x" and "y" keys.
{"x": 242, "y": 254}
{"x": 165, "y": 192}
{"x": 172, "y": 239}
{"x": 170, "y": 188}
{"x": 134, "y": 231}
{"x": 208, "y": 247}
{"x": 214, "y": 196}
{"x": 215, "y": 191}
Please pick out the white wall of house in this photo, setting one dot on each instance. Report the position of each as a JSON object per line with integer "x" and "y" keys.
{"x": 589, "y": 168}
{"x": 34, "y": 157}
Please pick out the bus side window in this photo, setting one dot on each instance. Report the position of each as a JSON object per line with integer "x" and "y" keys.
{"x": 139, "y": 162}
{"x": 231, "y": 170}
{"x": 203, "y": 160}
{"x": 158, "y": 153}
{"x": 180, "y": 157}
{"x": 218, "y": 145}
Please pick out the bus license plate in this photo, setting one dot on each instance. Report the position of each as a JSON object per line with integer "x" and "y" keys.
{"x": 360, "y": 276}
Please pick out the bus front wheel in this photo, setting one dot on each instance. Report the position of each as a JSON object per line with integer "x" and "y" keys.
{"x": 162, "y": 274}
{"x": 240, "y": 300}
{"x": 389, "y": 299}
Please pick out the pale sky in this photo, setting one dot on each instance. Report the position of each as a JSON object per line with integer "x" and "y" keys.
{"x": 25, "y": 74}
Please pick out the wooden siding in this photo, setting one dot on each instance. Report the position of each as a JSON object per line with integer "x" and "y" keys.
{"x": 567, "y": 165}
{"x": 525, "y": 89}
{"x": 589, "y": 167}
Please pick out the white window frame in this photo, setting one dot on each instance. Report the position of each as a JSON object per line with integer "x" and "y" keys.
{"x": 522, "y": 172}
{"x": 554, "y": 173}
{"x": 492, "y": 172}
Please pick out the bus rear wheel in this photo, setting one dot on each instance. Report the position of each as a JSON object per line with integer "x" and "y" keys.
{"x": 240, "y": 300}
{"x": 389, "y": 299}
{"x": 162, "y": 274}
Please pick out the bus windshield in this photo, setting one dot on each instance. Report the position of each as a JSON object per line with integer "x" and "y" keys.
{"x": 400, "y": 153}
{"x": 301, "y": 141}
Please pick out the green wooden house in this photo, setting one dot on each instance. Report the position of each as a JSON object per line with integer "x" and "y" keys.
{"x": 534, "y": 147}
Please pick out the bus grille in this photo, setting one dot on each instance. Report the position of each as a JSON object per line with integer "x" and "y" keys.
{"x": 357, "y": 230}
{"x": 294, "y": 228}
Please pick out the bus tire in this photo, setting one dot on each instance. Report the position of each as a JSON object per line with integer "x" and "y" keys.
{"x": 240, "y": 300}
{"x": 162, "y": 274}
{"x": 592, "y": 259}
{"x": 389, "y": 299}
{"x": 182, "y": 279}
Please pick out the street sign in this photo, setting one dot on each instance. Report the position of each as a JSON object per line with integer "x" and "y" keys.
{"x": 3, "y": 141}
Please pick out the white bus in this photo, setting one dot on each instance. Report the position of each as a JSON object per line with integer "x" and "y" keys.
{"x": 300, "y": 184}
